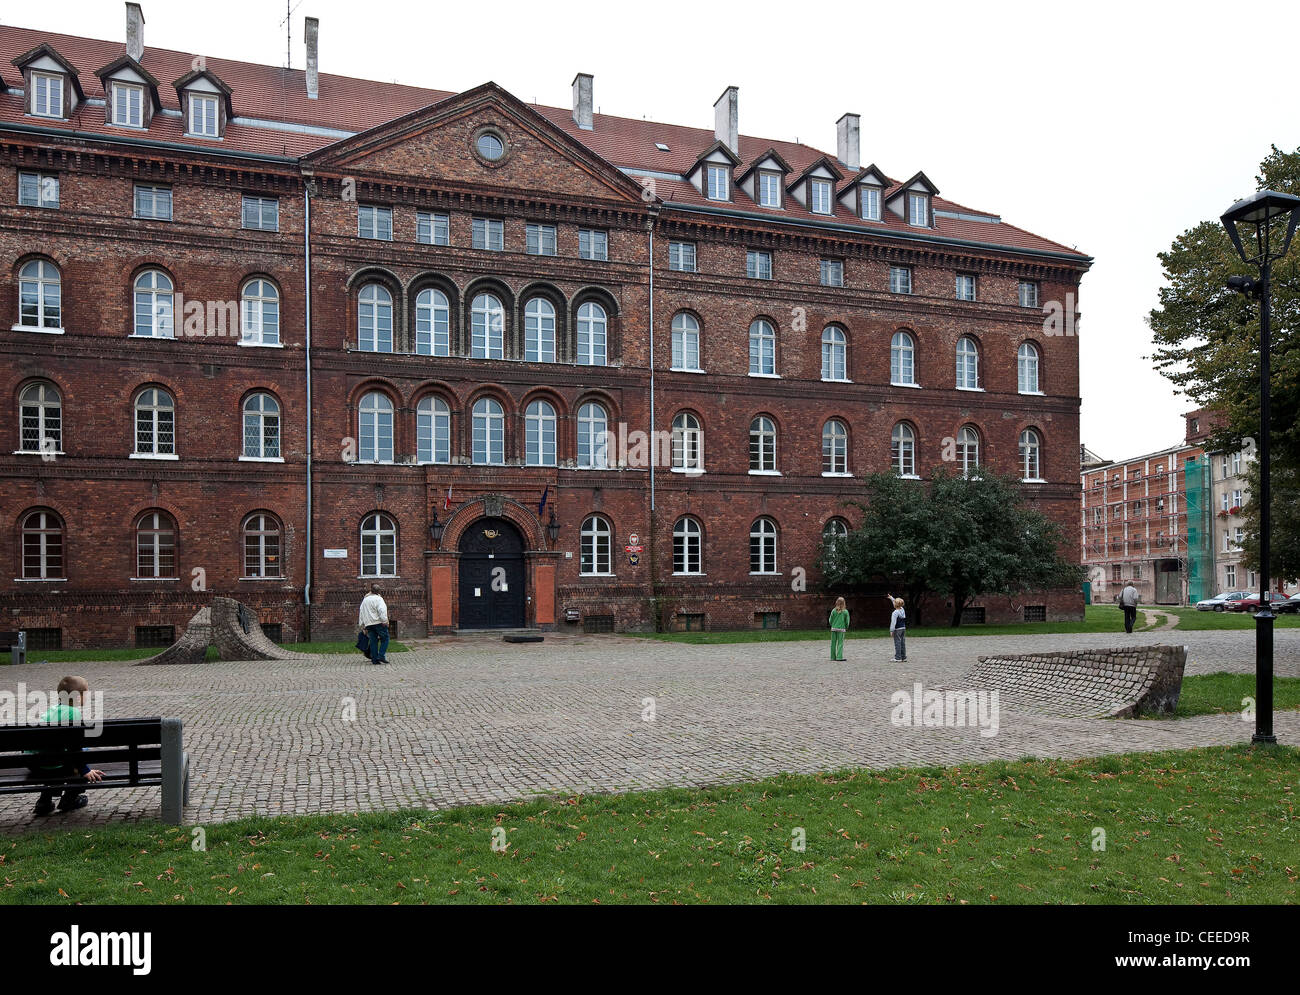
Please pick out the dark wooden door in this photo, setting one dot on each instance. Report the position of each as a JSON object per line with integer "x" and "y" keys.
{"x": 491, "y": 576}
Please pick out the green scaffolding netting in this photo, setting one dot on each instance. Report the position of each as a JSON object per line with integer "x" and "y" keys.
{"x": 1200, "y": 529}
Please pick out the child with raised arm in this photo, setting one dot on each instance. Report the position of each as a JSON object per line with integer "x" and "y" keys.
{"x": 898, "y": 629}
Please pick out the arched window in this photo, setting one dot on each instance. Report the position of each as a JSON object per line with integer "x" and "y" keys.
{"x": 155, "y": 545}
{"x": 539, "y": 331}
{"x": 592, "y": 325}
{"x": 902, "y": 359}
{"x": 1030, "y": 455}
{"x": 260, "y": 307}
{"x": 155, "y": 423}
{"x": 835, "y": 535}
{"x": 762, "y": 349}
{"x": 968, "y": 451}
{"x": 489, "y": 431}
{"x": 487, "y": 328}
{"x": 1027, "y": 368}
{"x": 378, "y": 546}
{"x": 968, "y": 363}
{"x": 687, "y": 546}
{"x": 40, "y": 416}
{"x": 262, "y": 427}
{"x": 686, "y": 342}
{"x": 596, "y": 555}
{"x": 835, "y": 354}
{"x": 42, "y": 546}
{"x": 762, "y": 445}
{"x": 153, "y": 305}
{"x": 375, "y": 429}
{"x": 593, "y": 437}
{"x": 539, "y": 434}
{"x": 433, "y": 431}
{"x": 902, "y": 450}
{"x": 762, "y": 546}
{"x": 375, "y": 319}
{"x": 835, "y": 447}
{"x": 687, "y": 443}
{"x": 432, "y": 323}
{"x": 262, "y": 546}
{"x": 40, "y": 295}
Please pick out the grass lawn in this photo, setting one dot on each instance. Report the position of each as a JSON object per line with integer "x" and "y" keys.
{"x": 1215, "y": 694}
{"x": 81, "y": 656}
{"x": 1211, "y": 825}
{"x": 1192, "y": 620}
{"x": 1097, "y": 618}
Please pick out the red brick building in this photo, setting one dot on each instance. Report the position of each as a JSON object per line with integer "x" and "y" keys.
{"x": 276, "y": 333}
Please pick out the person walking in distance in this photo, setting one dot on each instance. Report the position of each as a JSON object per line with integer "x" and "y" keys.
{"x": 373, "y": 618}
{"x": 839, "y": 626}
{"x": 898, "y": 629}
{"x": 1128, "y": 600}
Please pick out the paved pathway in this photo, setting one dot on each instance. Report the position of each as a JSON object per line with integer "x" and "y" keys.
{"x": 464, "y": 720}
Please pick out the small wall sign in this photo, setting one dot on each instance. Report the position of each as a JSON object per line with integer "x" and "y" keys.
{"x": 335, "y": 554}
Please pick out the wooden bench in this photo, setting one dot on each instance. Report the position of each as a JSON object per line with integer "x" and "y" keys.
{"x": 132, "y": 753}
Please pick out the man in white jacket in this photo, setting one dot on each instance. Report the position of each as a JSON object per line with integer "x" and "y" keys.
{"x": 373, "y": 619}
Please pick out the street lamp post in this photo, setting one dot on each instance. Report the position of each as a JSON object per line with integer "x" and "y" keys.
{"x": 1261, "y": 228}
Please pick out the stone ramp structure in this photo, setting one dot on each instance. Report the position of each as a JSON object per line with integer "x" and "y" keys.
{"x": 1101, "y": 683}
{"x": 232, "y": 628}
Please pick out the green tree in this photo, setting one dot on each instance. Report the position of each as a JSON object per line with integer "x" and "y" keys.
{"x": 961, "y": 538}
{"x": 1207, "y": 345}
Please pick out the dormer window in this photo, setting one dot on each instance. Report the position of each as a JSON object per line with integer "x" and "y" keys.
{"x": 918, "y": 210}
{"x": 47, "y": 94}
{"x": 769, "y": 189}
{"x": 128, "y": 105}
{"x": 819, "y": 196}
{"x": 205, "y": 120}
{"x": 719, "y": 182}
{"x": 870, "y": 203}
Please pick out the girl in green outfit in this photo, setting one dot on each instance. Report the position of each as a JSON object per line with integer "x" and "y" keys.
{"x": 839, "y": 625}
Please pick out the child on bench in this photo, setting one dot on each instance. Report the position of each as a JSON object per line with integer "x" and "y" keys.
{"x": 66, "y": 712}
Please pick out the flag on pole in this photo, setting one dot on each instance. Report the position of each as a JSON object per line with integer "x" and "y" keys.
{"x": 446, "y": 504}
{"x": 541, "y": 505}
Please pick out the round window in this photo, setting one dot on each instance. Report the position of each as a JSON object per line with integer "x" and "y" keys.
{"x": 490, "y": 146}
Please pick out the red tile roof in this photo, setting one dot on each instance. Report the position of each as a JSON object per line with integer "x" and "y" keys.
{"x": 269, "y": 93}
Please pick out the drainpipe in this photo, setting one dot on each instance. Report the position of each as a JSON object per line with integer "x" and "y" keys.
{"x": 654, "y": 445}
{"x": 308, "y": 183}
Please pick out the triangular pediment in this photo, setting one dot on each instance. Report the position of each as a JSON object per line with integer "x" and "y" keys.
{"x": 439, "y": 145}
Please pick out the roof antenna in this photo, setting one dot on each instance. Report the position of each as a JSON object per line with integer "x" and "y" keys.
{"x": 288, "y": 31}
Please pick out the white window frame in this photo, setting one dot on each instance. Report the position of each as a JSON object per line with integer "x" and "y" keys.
{"x": 768, "y": 188}
{"x": 375, "y": 222}
{"x": 488, "y": 234}
{"x": 1029, "y": 447}
{"x": 821, "y": 196}
{"x": 432, "y": 228}
{"x": 686, "y": 342}
{"x": 762, "y": 546}
{"x": 488, "y": 434}
{"x": 832, "y": 272}
{"x": 918, "y": 206}
{"x": 487, "y": 327}
{"x": 158, "y": 300}
{"x": 717, "y": 180}
{"x": 688, "y": 547}
{"x": 902, "y": 349}
{"x": 40, "y": 411}
{"x": 375, "y": 428}
{"x": 259, "y": 308}
{"x": 835, "y": 354}
{"x": 540, "y": 240}
{"x": 128, "y": 103}
{"x": 155, "y": 411}
{"x": 261, "y": 415}
{"x": 47, "y": 93}
{"x": 900, "y": 279}
{"x": 758, "y": 264}
{"x": 870, "y": 199}
{"x": 762, "y": 445}
{"x": 682, "y": 257}
{"x": 540, "y": 434}
{"x": 49, "y": 563}
{"x": 965, "y": 287}
{"x": 1027, "y": 293}
{"x": 596, "y": 550}
{"x": 40, "y": 297}
{"x": 592, "y": 335}
{"x": 687, "y": 445}
{"x": 265, "y": 530}
{"x": 835, "y": 448}
{"x": 967, "y": 356}
{"x": 593, "y": 437}
{"x": 255, "y": 204}
{"x": 1028, "y": 369}
{"x": 902, "y": 450}
{"x": 44, "y": 184}
{"x": 432, "y": 323}
{"x": 374, "y": 318}
{"x": 378, "y": 545}
{"x": 155, "y": 197}
{"x": 593, "y": 244}
{"x": 204, "y": 111}
{"x": 539, "y": 330}
{"x": 432, "y": 430}
{"x": 762, "y": 348}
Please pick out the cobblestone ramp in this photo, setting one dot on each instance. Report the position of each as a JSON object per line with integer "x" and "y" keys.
{"x": 232, "y": 628}
{"x": 1101, "y": 683}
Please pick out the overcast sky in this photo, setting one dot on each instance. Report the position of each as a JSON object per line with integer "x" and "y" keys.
{"x": 1111, "y": 127}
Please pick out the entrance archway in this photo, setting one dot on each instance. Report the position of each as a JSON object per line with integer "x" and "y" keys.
{"x": 491, "y": 587}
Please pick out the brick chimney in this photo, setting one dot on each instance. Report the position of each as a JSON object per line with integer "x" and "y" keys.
{"x": 311, "y": 29}
{"x": 726, "y": 119}
{"x": 582, "y": 101}
{"x": 134, "y": 31}
{"x": 848, "y": 141}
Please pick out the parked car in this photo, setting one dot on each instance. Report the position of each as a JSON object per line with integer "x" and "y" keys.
{"x": 1216, "y": 603}
{"x": 1291, "y": 606}
{"x": 1250, "y": 603}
